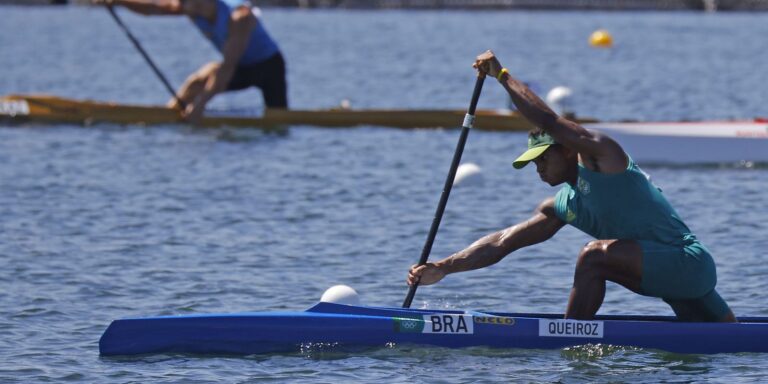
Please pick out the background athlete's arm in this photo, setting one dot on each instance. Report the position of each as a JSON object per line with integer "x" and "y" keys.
{"x": 146, "y": 7}
{"x": 241, "y": 25}
{"x": 492, "y": 248}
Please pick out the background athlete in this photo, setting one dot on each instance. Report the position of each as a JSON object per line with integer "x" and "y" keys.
{"x": 642, "y": 243}
{"x": 250, "y": 56}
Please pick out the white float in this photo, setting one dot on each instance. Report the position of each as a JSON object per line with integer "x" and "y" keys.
{"x": 468, "y": 173}
{"x": 340, "y": 294}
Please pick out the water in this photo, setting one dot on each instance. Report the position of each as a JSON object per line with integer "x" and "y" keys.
{"x": 106, "y": 222}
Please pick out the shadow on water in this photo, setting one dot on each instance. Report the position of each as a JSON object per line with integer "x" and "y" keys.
{"x": 307, "y": 351}
{"x": 629, "y": 363}
{"x": 241, "y": 135}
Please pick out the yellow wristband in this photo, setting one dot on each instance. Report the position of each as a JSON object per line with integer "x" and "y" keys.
{"x": 501, "y": 73}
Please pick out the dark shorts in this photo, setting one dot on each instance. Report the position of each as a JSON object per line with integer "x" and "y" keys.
{"x": 685, "y": 277}
{"x": 269, "y": 76}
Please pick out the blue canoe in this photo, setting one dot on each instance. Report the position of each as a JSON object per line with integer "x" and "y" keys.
{"x": 345, "y": 325}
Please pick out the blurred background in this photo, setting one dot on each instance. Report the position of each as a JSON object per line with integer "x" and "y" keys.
{"x": 104, "y": 221}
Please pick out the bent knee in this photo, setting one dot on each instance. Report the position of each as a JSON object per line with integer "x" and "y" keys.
{"x": 591, "y": 255}
{"x": 593, "y": 250}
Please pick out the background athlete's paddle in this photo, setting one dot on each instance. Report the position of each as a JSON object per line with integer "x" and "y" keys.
{"x": 146, "y": 57}
{"x": 469, "y": 119}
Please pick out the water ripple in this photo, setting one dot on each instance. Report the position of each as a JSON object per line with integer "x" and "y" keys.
{"x": 103, "y": 222}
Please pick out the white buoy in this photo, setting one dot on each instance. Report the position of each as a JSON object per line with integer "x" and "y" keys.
{"x": 340, "y": 294}
{"x": 558, "y": 99}
{"x": 468, "y": 173}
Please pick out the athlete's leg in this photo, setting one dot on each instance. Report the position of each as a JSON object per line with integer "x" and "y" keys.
{"x": 710, "y": 307}
{"x": 274, "y": 87}
{"x": 685, "y": 278}
{"x": 619, "y": 261}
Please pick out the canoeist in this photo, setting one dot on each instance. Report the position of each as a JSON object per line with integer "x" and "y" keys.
{"x": 250, "y": 56}
{"x": 642, "y": 243}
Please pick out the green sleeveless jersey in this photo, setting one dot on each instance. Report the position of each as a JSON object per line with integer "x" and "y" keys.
{"x": 620, "y": 206}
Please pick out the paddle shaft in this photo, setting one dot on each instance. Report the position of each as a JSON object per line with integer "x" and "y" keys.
{"x": 468, "y": 121}
{"x": 146, "y": 56}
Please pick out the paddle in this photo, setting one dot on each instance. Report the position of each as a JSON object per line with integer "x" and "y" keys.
{"x": 468, "y": 121}
{"x": 146, "y": 56}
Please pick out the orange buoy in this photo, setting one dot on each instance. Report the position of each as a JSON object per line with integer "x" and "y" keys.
{"x": 601, "y": 39}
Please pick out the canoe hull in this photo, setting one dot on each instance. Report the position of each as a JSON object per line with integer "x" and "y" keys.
{"x": 352, "y": 326}
{"x": 45, "y": 109}
{"x": 647, "y": 143}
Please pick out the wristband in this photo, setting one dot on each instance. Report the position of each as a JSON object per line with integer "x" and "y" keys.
{"x": 501, "y": 73}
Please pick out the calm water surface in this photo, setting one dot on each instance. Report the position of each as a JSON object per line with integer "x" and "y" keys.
{"x": 105, "y": 222}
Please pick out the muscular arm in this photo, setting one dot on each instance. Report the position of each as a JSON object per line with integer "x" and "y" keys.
{"x": 597, "y": 152}
{"x": 492, "y": 248}
{"x": 147, "y": 7}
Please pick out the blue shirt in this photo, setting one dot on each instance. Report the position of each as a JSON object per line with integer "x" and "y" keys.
{"x": 260, "y": 45}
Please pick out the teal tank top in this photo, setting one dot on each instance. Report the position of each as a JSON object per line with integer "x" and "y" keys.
{"x": 260, "y": 46}
{"x": 621, "y": 206}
